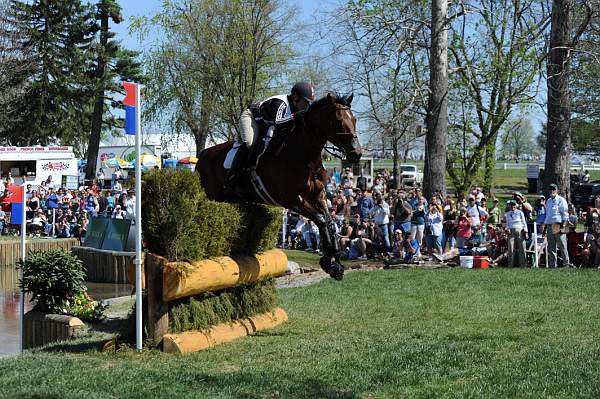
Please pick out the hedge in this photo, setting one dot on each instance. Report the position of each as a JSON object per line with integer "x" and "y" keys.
{"x": 180, "y": 223}
{"x": 212, "y": 308}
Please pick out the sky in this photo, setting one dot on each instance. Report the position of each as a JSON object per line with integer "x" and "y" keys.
{"x": 136, "y": 8}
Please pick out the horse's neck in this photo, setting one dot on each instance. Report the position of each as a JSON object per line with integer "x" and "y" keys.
{"x": 306, "y": 144}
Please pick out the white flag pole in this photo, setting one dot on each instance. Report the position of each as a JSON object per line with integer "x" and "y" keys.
{"x": 138, "y": 220}
{"x": 23, "y": 255}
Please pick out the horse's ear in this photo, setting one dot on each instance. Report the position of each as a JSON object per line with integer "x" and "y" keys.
{"x": 349, "y": 99}
{"x": 330, "y": 97}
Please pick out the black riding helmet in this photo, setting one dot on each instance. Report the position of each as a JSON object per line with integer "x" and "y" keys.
{"x": 304, "y": 90}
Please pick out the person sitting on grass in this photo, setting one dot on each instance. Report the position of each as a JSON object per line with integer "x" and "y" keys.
{"x": 590, "y": 257}
{"x": 405, "y": 249}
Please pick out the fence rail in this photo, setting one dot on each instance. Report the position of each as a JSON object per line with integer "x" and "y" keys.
{"x": 10, "y": 250}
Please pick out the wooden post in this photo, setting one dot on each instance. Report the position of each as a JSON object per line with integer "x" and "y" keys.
{"x": 157, "y": 311}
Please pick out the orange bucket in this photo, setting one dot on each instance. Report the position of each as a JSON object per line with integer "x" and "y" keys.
{"x": 481, "y": 262}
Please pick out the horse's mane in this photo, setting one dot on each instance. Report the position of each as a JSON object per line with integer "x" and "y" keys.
{"x": 337, "y": 99}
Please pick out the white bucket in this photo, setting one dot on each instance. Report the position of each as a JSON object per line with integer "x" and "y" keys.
{"x": 466, "y": 261}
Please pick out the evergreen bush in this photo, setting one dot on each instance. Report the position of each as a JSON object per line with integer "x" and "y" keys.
{"x": 52, "y": 278}
{"x": 212, "y": 308}
{"x": 170, "y": 202}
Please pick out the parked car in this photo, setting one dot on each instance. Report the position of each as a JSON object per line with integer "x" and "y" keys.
{"x": 410, "y": 175}
{"x": 582, "y": 195}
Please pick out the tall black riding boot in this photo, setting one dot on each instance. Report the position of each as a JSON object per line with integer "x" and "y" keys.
{"x": 237, "y": 166}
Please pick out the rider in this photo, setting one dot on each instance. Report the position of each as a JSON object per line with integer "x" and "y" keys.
{"x": 276, "y": 112}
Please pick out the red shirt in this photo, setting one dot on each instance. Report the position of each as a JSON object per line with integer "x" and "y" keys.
{"x": 464, "y": 228}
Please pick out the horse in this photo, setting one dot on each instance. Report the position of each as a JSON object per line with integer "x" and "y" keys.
{"x": 290, "y": 172}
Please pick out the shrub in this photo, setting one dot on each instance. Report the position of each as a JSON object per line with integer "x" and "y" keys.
{"x": 211, "y": 308}
{"x": 170, "y": 202}
{"x": 52, "y": 277}
{"x": 180, "y": 223}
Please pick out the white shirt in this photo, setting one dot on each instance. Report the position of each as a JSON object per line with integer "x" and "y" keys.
{"x": 475, "y": 214}
{"x": 515, "y": 219}
{"x": 557, "y": 210}
{"x": 381, "y": 213}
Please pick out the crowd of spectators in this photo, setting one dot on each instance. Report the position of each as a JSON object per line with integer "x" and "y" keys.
{"x": 55, "y": 211}
{"x": 398, "y": 224}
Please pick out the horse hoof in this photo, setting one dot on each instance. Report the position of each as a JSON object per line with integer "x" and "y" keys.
{"x": 325, "y": 263}
{"x": 337, "y": 271}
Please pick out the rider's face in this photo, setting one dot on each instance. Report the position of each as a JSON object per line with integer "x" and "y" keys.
{"x": 301, "y": 103}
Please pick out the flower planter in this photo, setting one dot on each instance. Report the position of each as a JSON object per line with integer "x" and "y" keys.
{"x": 41, "y": 328}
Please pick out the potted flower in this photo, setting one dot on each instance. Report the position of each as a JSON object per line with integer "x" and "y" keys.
{"x": 54, "y": 280}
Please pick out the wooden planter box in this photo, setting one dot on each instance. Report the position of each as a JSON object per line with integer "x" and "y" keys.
{"x": 41, "y": 328}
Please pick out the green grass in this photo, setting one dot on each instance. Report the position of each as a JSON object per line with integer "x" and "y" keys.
{"x": 454, "y": 333}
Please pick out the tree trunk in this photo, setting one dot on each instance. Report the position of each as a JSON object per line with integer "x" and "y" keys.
{"x": 437, "y": 108}
{"x": 490, "y": 164}
{"x": 96, "y": 130}
{"x": 396, "y": 165}
{"x": 558, "y": 145}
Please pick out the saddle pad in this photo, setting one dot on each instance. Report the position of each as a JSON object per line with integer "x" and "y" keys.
{"x": 231, "y": 156}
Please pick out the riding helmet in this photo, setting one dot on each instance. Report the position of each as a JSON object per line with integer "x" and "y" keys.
{"x": 304, "y": 90}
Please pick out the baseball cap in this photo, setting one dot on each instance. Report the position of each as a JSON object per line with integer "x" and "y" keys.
{"x": 553, "y": 187}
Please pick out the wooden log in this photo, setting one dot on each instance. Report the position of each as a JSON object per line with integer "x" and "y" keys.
{"x": 156, "y": 310}
{"x": 192, "y": 341}
{"x": 183, "y": 279}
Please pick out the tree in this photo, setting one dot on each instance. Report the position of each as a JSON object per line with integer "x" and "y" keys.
{"x": 562, "y": 42}
{"x": 113, "y": 65}
{"x": 496, "y": 55}
{"x": 217, "y": 57}
{"x": 434, "y": 174}
{"x": 57, "y": 36}
{"x": 384, "y": 63}
{"x": 16, "y": 64}
{"x": 517, "y": 139}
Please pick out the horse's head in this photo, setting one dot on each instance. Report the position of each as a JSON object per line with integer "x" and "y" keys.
{"x": 338, "y": 125}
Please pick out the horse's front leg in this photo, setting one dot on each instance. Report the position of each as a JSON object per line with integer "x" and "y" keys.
{"x": 330, "y": 261}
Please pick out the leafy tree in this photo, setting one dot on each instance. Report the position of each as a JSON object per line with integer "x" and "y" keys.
{"x": 496, "y": 53}
{"x": 564, "y": 37}
{"x": 517, "y": 139}
{"x": 216, "y": 58}
{"x": 384, "y": 63}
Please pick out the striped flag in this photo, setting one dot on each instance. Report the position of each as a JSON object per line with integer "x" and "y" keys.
{"x": 132, "y": 106}
{"x": 16, "y": 200}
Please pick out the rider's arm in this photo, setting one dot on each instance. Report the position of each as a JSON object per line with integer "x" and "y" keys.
{"x": 275, "y": 112}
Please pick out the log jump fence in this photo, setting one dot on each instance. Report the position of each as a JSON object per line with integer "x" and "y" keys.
{"x": 166, "y": 281}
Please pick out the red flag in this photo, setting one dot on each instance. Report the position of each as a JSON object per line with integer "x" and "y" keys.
{"x": 130, "y": 94}
{"x": 16, "y": 193}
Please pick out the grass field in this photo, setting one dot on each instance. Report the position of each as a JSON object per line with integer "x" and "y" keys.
{"x": 455, "y": 333}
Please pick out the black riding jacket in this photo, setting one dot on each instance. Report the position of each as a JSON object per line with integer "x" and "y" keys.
{"x": 276, "y": 111}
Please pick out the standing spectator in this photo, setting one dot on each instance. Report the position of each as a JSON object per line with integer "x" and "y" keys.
{"x": 365, "y": 204}
{"x": 49, "y": 182}
{"x": 402, "y": 212}
{"x": 102, "y": 204}
{"x": 130, "y": 206}
{"x": 572, "y": 220}
{"x": 476, "y": 214}
{"x": 540, "y": 213}
{"x": 9, "y": 179}
{"x": 361, "y": 182}
{"x": 101, "y": 177}
{"x": 463, "y": 229}
{"x": 110, "y": 203}
{"x": 449, "y": 228}
{"x": 557, "y": 216}
{"x": 417, "y": 221}
{"x": 494, "y": 214}
{"x": 381, "y": 217}
{"x": 524, "y": 206}
{"x": 91, "y": 204}
{"x": 517, "y": 225}
{"x": 115, "y": 178}
{"x": 434, "y": 225}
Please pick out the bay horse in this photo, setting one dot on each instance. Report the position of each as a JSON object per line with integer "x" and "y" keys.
{"x": 290, "y": 172}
